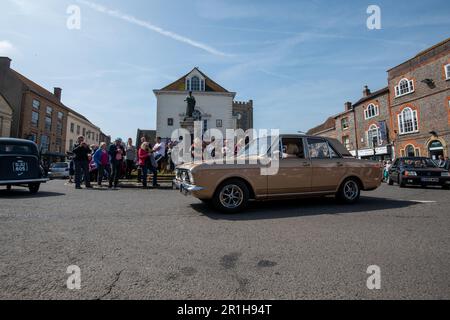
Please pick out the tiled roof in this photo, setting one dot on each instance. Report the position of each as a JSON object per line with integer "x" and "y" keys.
{"x": 34, "y": 87}
{"x": 372, "y": 95}
{"x": 210, "y": 85}
{"x": 329, "y": 124}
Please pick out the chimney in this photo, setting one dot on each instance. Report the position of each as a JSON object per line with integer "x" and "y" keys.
{"x": 57, "y": 93}
{"x": 5, "y": 63}
{"x": 348, "y": 106}
{"x": 366, "y": 91}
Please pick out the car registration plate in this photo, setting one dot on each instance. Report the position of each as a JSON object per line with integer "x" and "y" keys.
{"x": 430, "y": 179}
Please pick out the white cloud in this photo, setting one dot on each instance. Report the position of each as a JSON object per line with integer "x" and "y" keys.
{"x": 152, "y": 27}
{"x": 6, "y": 47}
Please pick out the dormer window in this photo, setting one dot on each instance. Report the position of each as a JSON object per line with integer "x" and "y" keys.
{"x": 195, "y": 84}
{"x": 404, "y": 87}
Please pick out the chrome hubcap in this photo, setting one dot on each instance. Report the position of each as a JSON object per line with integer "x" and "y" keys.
{"x": 231, "y": 196}
{"x": 351, "y": 190}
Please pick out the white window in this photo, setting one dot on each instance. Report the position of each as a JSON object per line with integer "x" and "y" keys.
{"x": 195, "y": 84}
{"x": 373, "y": 136}
{"x": 407, "y": 121}
{"x": 344, "y": 123}
{"x": 371, "y": 111}
{"x": 447, "y": 72}
{"x": 404, "y": 86}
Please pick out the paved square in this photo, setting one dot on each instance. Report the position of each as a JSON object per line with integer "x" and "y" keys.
{"x": 158, "y": 244}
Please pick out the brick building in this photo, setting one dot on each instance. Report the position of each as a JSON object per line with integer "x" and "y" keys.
{"x": 420, "y": 103}
{"x": 409, "y": 117}
{"x": 6, "y": 112}
{"x": 37, "y": 114}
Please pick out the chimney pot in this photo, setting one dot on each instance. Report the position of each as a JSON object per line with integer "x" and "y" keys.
{"x": 5, "y": 62}
{"x": 366, "y": 91}
{"x": 348, "y": 106}
{"x": 57, "y": 93}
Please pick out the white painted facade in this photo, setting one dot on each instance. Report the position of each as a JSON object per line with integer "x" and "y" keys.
{"x": 215, "y": 107}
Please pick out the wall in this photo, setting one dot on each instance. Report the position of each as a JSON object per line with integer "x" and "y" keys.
{"x": 94, "y": 138}
{"x": 172, "y": 104}
{"x": 5, "y": 118}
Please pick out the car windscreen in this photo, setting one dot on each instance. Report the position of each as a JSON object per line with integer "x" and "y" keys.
{"x": 60, "y": 165}
{"x": 21, "y": 149}
{"x": 418, "y": 163}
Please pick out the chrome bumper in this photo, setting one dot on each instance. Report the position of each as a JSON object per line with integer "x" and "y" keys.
{"x": 184, "y": 187}
{"x": 19, "y": 182}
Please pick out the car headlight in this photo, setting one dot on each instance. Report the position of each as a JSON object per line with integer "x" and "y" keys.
{"x": 445, "y": 174}
{"x": 191, "y": 178}
{"x": 410, "y": 173}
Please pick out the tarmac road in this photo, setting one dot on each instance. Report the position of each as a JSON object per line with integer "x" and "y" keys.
{"x": 158, "y": 244}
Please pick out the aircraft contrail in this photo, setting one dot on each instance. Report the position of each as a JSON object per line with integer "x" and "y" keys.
{"x": 152, "y": 27}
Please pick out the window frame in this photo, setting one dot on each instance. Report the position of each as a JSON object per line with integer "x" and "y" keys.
{"x": 329, "y": 147}
{"x": 38, "y": 103}
{"x": 35, "y": 125}
{"x": 447, "y": 71}
{"x": 375, "y": 111}
{"x": 402, "y": 123}
{"x": 372, "y": 128}
{"x": 170, "y": 122}
{"x": 345, "y": 121}
{"x": 410, "y": 87}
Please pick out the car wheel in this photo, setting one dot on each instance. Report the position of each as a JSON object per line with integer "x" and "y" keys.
{"x": 390, "y": 181}
{"x": 446, "y": 187}
{"x": 349, "y": 192}
{"x": 401, "y": 183}
{"x": 231, "y": 196}
{"x": 34, "y": 187}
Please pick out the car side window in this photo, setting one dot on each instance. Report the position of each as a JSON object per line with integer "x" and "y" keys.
{"x": 292, "y": 148}
{"x": 318, "y": 149}
{"x": 333, "y": 153}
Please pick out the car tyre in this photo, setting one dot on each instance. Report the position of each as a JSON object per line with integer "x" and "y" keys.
{"x": 231, "y": 196}
{"x": 446, "y": 187}
{"x": 34, "y": 187}
{"x": 349, "y": 192}
{"x": 401, "y": 183}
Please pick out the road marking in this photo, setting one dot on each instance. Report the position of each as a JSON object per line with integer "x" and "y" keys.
{"x": 423, "y": 201}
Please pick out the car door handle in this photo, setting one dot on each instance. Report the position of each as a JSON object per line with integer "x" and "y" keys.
{"x": 339, "y": 164}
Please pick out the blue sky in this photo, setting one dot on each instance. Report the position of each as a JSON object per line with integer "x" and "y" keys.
{"x": 298, "y": 60}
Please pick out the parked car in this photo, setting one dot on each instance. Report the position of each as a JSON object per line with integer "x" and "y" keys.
{"x": 419, "y": 171}
{"x": 59, "y": 170}
{"x": 308, "y": 166}
{"x": 20, "y": 164}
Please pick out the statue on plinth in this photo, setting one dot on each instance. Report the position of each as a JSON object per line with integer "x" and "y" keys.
{"x": 190, "y": 100}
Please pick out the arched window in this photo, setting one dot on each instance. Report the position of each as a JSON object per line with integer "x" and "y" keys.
{"x": 373, "y": 136}
{"x": 371, "y": 111}
{"x": 410, "y": 151}
{"x": 404, "y": 86}
{"x": 407, "y": 121}
{"x": 195, "y": 84}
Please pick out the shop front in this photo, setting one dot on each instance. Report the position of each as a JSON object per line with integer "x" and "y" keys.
{"x": 376, "y": 154}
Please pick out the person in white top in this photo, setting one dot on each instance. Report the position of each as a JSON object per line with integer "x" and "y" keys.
{"x": 159, "y": 149}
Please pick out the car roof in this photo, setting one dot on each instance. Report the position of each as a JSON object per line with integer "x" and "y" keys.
{"x": 17, "y": 141}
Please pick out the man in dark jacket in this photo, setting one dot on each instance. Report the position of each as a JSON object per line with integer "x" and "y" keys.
{"x": 81, "y": 161}
{"x": 117, "y": 155}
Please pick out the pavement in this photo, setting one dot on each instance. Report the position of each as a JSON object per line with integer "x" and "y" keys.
{"x": 158, "y": 244}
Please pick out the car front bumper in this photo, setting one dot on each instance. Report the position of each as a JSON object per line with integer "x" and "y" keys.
{"x": 186, "y": 188}
{"x": 429, "y": 181}
{"x": 20, "y": 182}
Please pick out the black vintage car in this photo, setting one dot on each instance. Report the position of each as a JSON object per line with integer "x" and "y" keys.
{"x": 20, "y": 164}
{"x": 418, "y": 171}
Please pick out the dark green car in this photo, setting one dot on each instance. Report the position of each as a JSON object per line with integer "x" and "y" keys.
{"x": 20, "y": 164}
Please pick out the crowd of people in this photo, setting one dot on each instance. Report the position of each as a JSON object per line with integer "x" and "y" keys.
{"x": 95, "y": 164}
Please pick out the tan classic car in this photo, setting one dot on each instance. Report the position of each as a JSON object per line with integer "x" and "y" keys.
{"x": 306, "y": 166}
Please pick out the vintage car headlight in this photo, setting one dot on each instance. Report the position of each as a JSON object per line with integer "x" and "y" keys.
{"x": 410, "y": 173}
{"x": 191, "y": 178}
{"x": 445, "y": 174}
